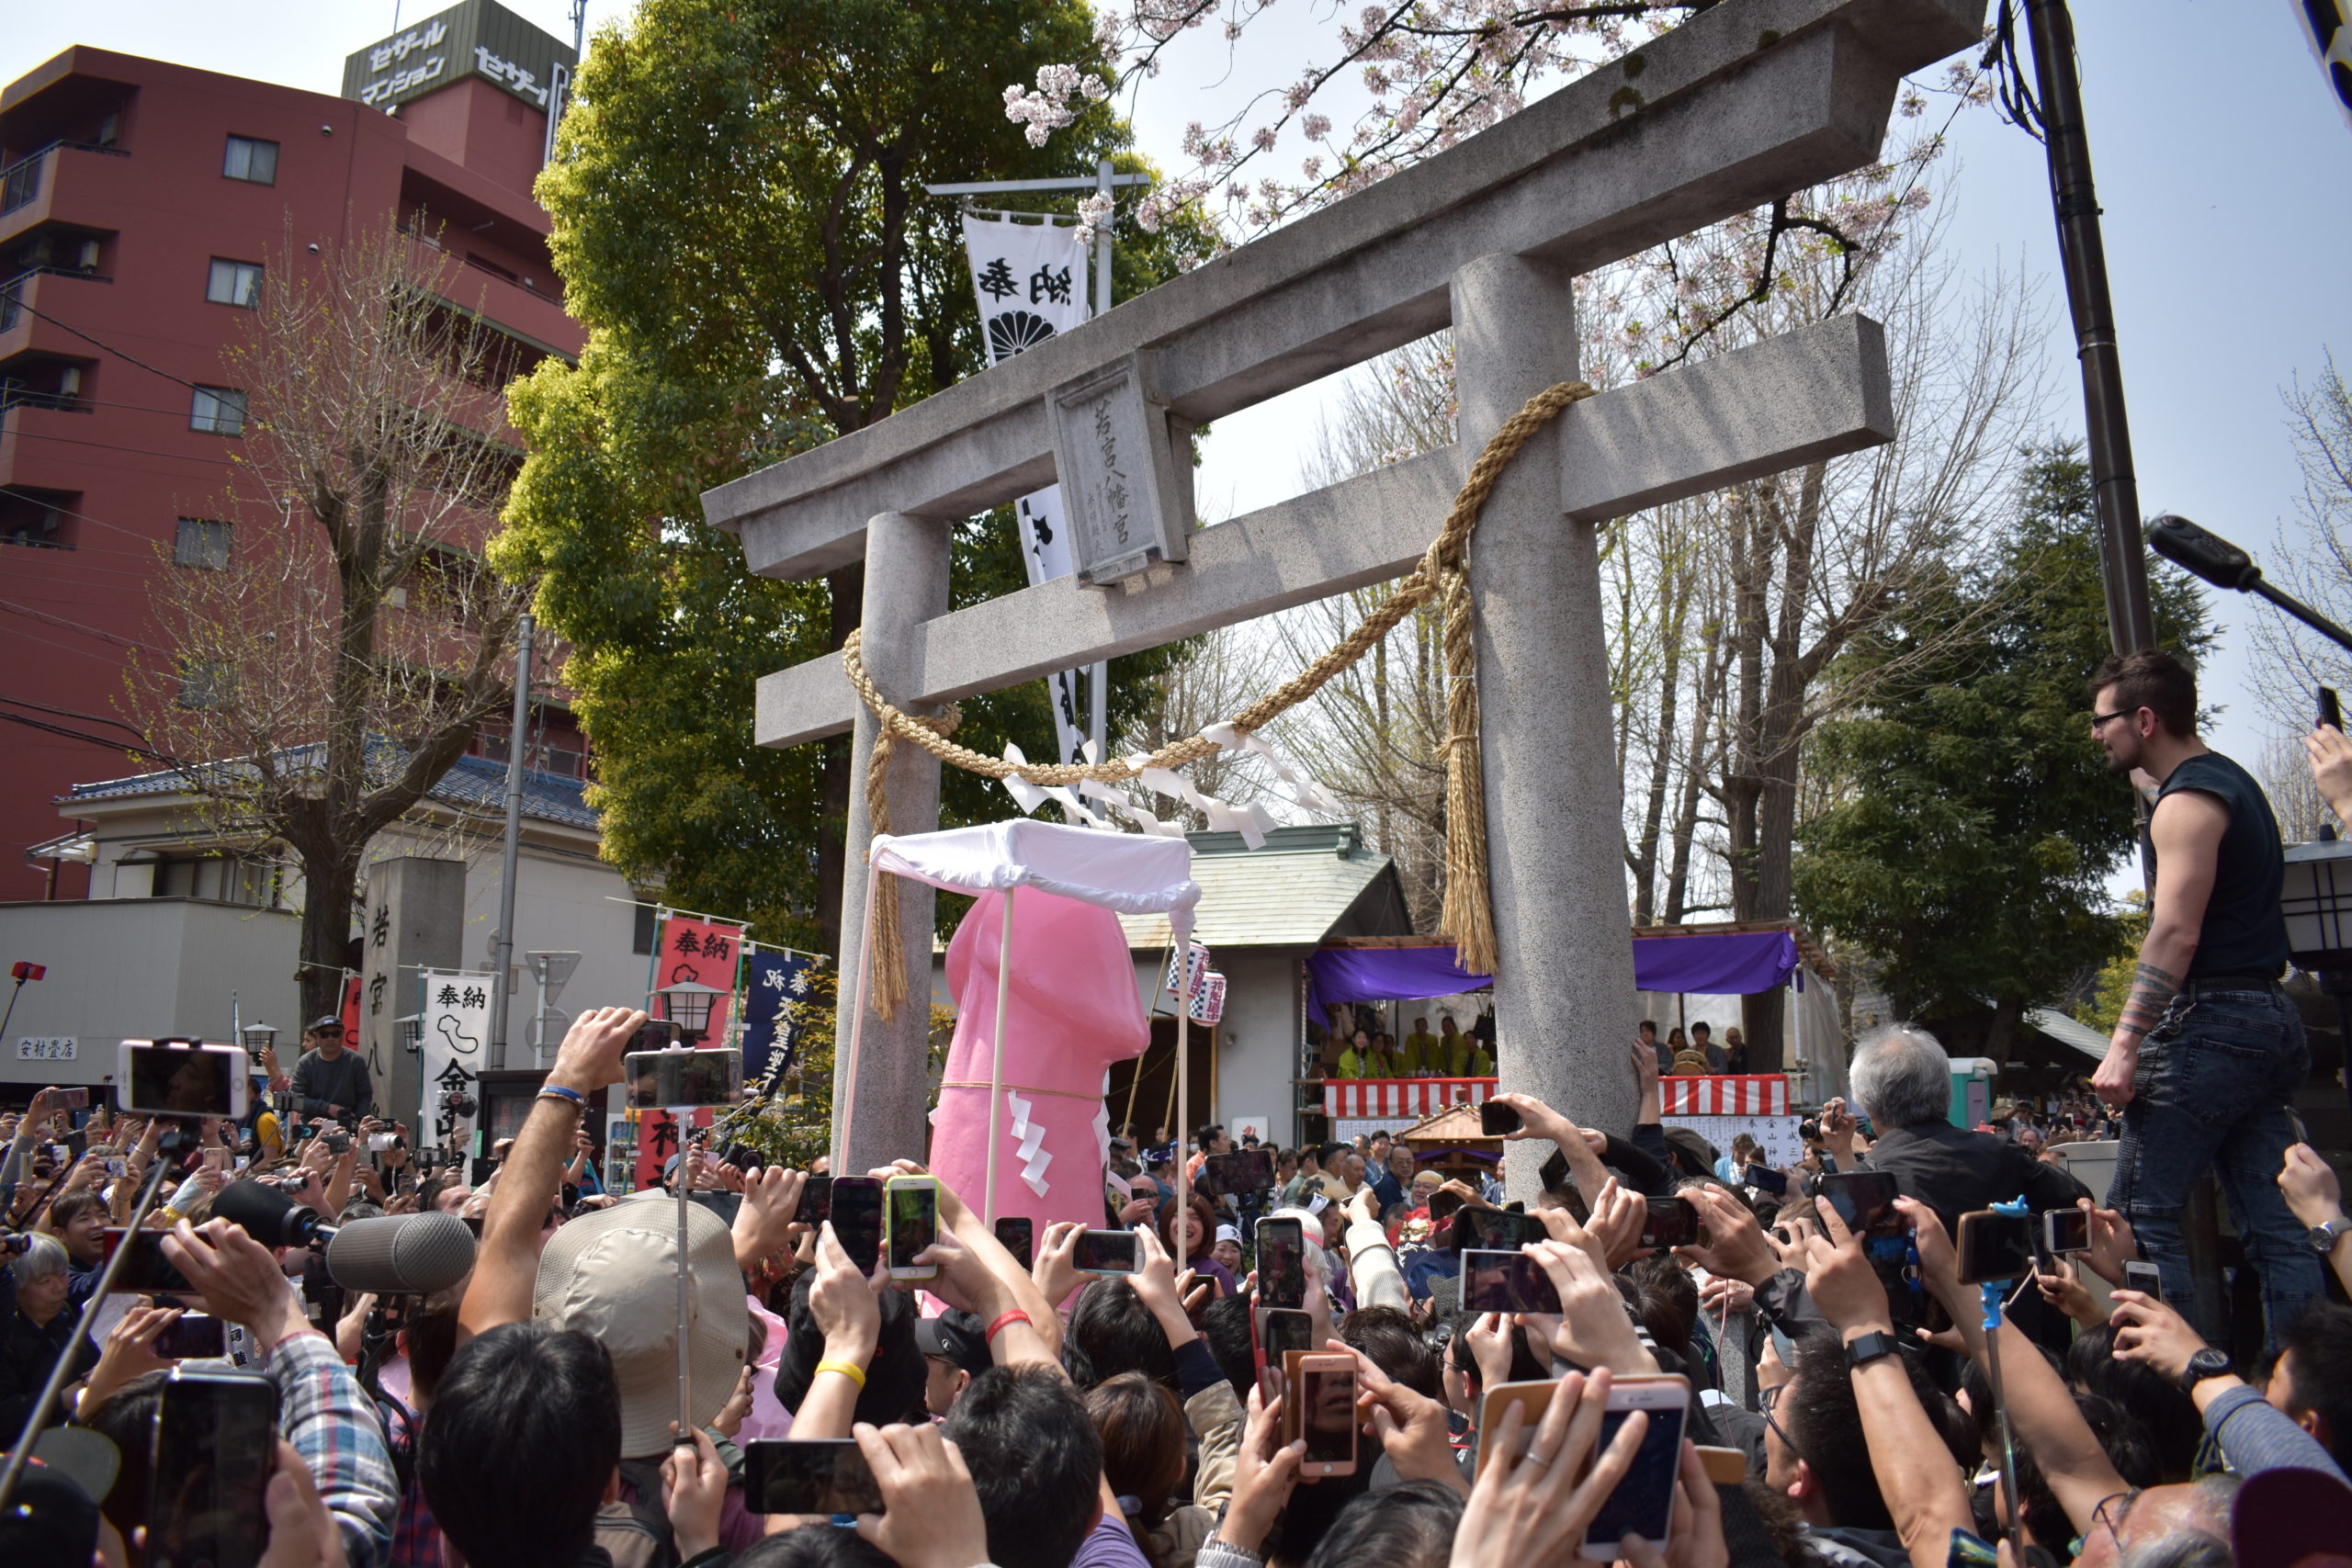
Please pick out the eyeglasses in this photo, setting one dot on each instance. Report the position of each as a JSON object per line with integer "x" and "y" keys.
{"x": 1765, "y": 1398}
{"x": 2100, "y": 720}
{"x": 2108, "y": 1513}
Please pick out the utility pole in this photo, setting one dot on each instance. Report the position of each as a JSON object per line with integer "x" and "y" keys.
{"x": 503, "y": 953}
{"x": 2115, "y": 491}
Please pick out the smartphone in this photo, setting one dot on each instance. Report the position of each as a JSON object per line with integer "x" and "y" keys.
{"x": 858, "y": 1219}
{"x": 726, "y": 1205}
{"x": 1532, "y": 1399}
{"x": 1105, "y": 1252}
{"x": 118, "y": 1166}
{"x": 1670, "y": 1222}
{"x": 79, "y": 1099}
{"x": 1496, "y": 1230}
{"x": 1993, "y": 1245}
{"x": 1495, "y": 1117}
{"x": 2145, "y": 1278}
{"x": 1325, "y": 1393}
{"x": 2066, "y": 1230}
{"x": 216, "y": 1444}
{"x": 191, "y": 1336}
{"x": 912, "y": 1204}
{"x": 182, "y": 1079}
{"x": 1242, "y": 1171}
{"x": 819, "y": 1476}
{"x": 1280, "y": 1332}
{"x": 680, "y": 1080}
{"x": 337, "y": 1140}
{"x": 1642, "y": 1502}
{"x": 1764, "y": 1178}
{"x": 816, "y": 1201}
{"x": 1505, "y": 1281}
{"x": 1865, "y": 1202}
{"x": 146, "y": 1271}
{"x": 1281, "y": 1263}
{"x": 655, "y": 1034}
{"x": 2331, "y": 712}
{"x": 1018, "y": 1234}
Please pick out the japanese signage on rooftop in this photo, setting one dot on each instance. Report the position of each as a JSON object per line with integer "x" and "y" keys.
{"x": 477, "y": 39}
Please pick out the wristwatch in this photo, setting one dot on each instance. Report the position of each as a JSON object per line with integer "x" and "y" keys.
{"x": 1871, "y": 1347}
{"x": 2207, "y": 1363}
{"x": 2324, "y": 1237}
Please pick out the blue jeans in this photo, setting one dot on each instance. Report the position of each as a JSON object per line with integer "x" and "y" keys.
{"x": 2215, "y": 1078}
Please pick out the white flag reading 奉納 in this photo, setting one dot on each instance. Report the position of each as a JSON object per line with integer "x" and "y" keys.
{"x": 1030, "y": 279}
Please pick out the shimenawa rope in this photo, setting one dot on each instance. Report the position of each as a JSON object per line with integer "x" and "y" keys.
{"x": 1468, "y": 912}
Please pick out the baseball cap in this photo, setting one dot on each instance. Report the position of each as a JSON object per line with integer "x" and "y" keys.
{"x": 330, "y": 1025}
{"x": 1229, "y": 1233}
{"x": 957, "y": 1337}
{"x": 2291, "y": 1516}
{"x": 50, "y": 1522}
{"x": 613, "y": 1274}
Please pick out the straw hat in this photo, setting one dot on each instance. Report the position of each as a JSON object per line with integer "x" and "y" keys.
{"x": 613, "y": 1275}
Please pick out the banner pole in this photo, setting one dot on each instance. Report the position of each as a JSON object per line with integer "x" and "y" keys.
{"x": 996, "y": 1063}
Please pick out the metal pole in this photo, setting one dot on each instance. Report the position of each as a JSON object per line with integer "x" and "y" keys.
{"x": 685, "y": 1316}
{"x": 2130, "y": 624}
{"x": 996, "y": 1059}
{"x": 1098, "y": 682}
{"x": 502, "y": 953}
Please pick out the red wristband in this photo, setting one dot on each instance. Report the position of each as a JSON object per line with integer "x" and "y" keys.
{"x": 1015, "y": 1315}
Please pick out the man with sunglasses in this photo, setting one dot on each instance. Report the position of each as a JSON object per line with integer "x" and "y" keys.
{"x": 2208, "y": 1051}
{"x": 330, "y": 1081}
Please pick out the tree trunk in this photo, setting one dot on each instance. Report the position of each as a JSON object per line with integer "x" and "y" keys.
{"x": 848, "y": 589}
{"x": 330, "y": 879}
{"x": 1751, "y": 570}
{"x": 1644, "y": 857}
{"x": 1695, "y": 772}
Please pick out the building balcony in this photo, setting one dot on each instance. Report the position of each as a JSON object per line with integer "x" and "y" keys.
{"x": 28, "y": 185}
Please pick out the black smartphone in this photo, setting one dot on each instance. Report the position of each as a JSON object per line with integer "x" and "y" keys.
{"x": 816, "y": 1201}
{"x": 1764, "y": 1178}
{"x": 1993, "y": 1245}
{"x": 1495, "y": 1117}
{"x": 192, "y": 1336}
{"x": 725, "y": 1204}
{"x": 1018, "y": 1236}
{"x": 1281, "y": 1330}
{"x": 858, "y": 1219}
{"x": 2066, "y": 1230}
{"x": 2145, "y": 1278}
{"x": 1670, "y": 1222}
{"x": 216, "y": 1444}
{"x": 2331, "y": 712}
{"x": 1496, "y": 1230}
{"x": 655, "y": 1034}
{"x": 820, "y": 1476}
{"x": 1281, "y": 1263}
{"x": 670, "y": 1081}
{"x": 1864, "y": 1201}
{"x": 1505, "y": 1281}
{"x": 1105, "y": 1252}
{"x": 146, "y": 1271}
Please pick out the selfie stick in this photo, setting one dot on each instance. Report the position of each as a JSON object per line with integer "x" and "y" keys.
{"x": 1992, "y": 1291}
{"x": 685, "y": 1366}
{"x": 171, "y": 1144}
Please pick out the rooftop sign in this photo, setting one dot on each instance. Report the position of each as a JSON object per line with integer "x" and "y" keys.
{"x": 476, "y": 38}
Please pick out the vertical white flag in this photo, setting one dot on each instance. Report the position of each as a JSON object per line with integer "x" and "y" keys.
{"x": 1030, "y": 279}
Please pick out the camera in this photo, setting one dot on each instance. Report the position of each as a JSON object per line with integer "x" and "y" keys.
{"x": 457, "y": 1103}
{"x": 1810, "y": 1129}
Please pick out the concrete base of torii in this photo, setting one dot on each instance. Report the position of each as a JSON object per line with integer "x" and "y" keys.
{"x": 1564, "y": 981}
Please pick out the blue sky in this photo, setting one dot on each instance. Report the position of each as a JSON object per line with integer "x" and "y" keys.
{"x": 2224, "y": 169}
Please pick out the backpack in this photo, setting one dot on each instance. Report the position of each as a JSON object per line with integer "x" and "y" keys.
{"x": 637, "y": 1534}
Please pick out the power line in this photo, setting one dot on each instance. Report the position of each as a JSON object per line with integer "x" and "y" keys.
{"x": 110, "y": 447}
{"x": 75, "y": 713}
{"x": 101, "y": 342}
{"x": 78, "y": 626}
{"x": 37, "y": 500}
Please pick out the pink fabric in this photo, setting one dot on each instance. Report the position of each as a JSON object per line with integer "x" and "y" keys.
{"x": 1072, "y": 1011}
{"x": 768, "y": 1418}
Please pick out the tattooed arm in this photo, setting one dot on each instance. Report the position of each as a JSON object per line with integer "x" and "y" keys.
{"x": 2187, "y": 831}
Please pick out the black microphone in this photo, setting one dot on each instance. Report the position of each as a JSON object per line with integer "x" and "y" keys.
{"x": 401, "y": 1255}
{"x": 269, "y": 1215}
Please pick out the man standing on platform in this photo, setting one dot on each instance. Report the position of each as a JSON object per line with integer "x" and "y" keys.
{"x": 330, "y": 1081}
{"x": 2208, "y": 1051}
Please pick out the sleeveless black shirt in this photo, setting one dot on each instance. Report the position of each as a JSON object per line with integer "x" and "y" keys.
{"x": 2245, "y": 932}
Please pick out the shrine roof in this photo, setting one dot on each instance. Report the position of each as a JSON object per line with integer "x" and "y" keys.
{"x": 1307, "y": 884}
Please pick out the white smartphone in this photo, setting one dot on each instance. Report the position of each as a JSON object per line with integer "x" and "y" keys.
{"x": 182, "y": 1079}
{"x": 1642, "y": 1502}
{"x": 910, "y": 1224}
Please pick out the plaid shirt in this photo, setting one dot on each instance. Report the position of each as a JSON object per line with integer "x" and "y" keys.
{"x": 328, "y": 1417}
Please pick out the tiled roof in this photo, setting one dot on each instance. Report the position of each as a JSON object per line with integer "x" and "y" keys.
{"x": 1290, "y": 894}
{"x": 472, "y": 783}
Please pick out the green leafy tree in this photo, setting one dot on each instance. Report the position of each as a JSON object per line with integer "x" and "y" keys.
{"x": 740, "y": 219}
{"x": 1973, "y": 822}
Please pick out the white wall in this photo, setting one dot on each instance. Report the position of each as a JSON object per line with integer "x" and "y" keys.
{"x": 136, "y": 968}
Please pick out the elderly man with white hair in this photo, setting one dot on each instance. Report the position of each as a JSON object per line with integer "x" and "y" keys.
{"x": 1903, "y": 1079}
{"x": 31, "y": 1338}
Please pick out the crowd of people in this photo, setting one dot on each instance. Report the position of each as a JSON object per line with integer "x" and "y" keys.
{"x": 1839, "y": 1388}
{"x": 1042, "y": 1418}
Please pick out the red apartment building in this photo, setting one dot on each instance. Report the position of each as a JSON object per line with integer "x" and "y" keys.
{"x": 139, "y": 203}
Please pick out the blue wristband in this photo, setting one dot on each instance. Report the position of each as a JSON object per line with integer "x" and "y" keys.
{"x": 579, "y": 1101}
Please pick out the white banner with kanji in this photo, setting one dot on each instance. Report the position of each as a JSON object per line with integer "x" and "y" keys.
{"x": 1029, "y": 280}
{"x": 456, "y": 1015}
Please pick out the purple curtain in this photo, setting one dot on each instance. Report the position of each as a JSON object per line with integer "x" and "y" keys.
{"x": 1726, "y": 962}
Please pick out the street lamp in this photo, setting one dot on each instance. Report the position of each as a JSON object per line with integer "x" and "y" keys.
{"x": 2225, "y": 565}
{"x": 409, "y": 1030}
{"x": 259, "y": 1037}
{"x": 687, "y": 1004}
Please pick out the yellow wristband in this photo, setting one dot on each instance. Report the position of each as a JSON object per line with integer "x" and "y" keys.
{"x": 849, "y": 1369}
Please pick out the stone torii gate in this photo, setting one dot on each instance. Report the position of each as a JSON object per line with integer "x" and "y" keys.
{"x": 1745, "y": 102}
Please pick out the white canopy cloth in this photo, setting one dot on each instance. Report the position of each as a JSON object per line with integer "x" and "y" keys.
{"x": 1128, "y": 874}
{"x": 1125, "y": 873}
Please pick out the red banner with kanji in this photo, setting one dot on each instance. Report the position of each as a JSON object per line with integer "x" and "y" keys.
{"x": 657, "y": 1141}
{"x": 706, "y": 953}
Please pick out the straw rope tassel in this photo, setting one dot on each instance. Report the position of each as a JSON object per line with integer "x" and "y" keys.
{"x": 1468, "y": 915}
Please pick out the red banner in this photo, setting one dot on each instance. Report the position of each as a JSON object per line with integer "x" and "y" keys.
{"x": 706, "y": 953}
{"x": 657, "y": 1140}
{"x": 350, "y": 1009}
